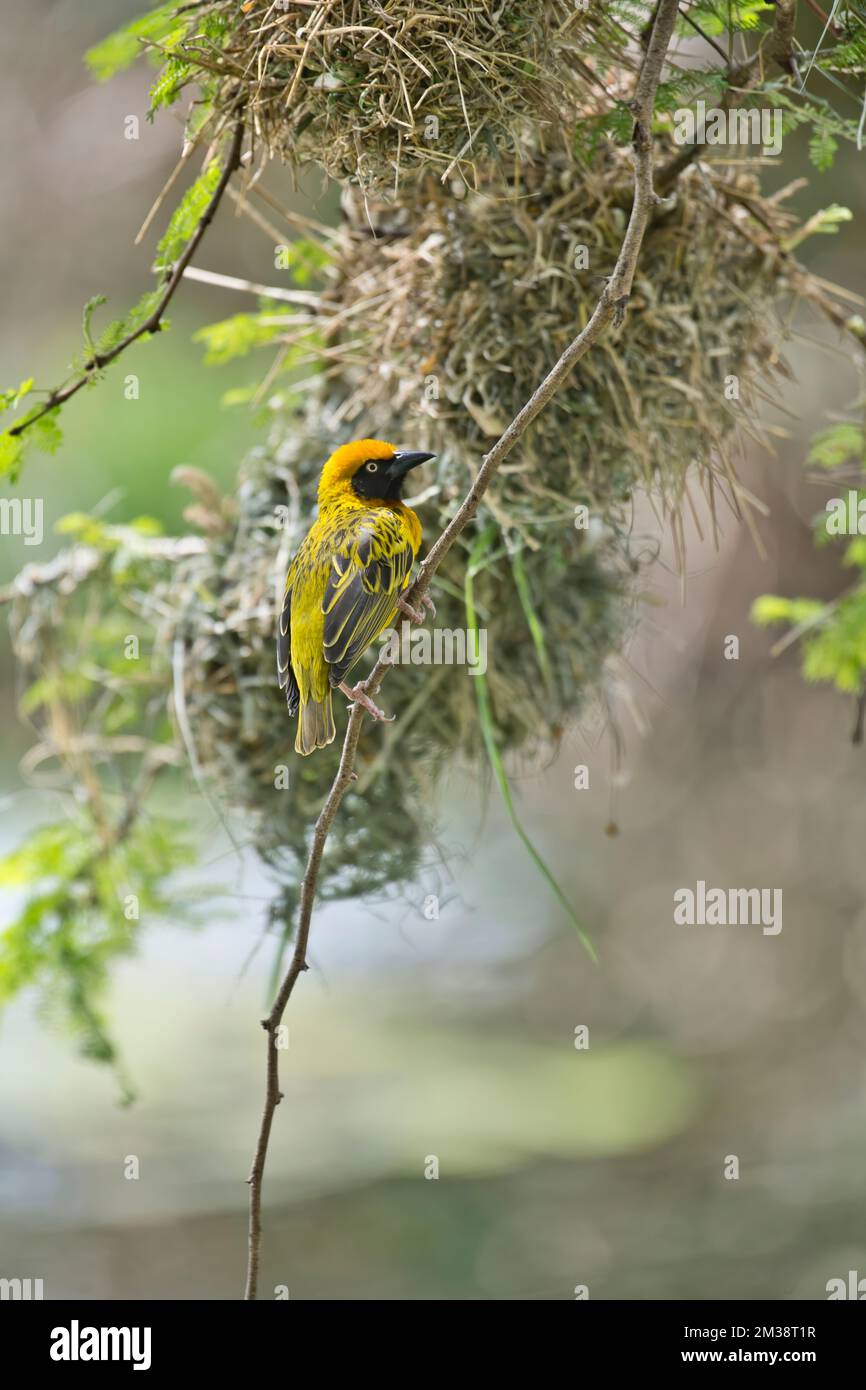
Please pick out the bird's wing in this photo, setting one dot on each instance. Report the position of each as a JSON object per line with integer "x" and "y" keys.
{"x": 365, "y": 580}
{"x": 284, "y": 654}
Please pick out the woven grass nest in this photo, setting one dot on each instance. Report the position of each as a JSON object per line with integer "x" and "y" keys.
{"x": 377, "y": 92}
{"x": 450, "y": 314}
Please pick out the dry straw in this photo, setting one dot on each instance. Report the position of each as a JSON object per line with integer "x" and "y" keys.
{"x": 377, "y": 92}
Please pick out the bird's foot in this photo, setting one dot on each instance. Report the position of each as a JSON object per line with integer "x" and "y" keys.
{"x": 416, "y": 615}
{"x": 358, "y": 695}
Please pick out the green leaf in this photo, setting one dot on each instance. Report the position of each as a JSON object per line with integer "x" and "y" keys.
{"x": 304, "y": 259}
{"x": 46, "y": 433}
{"x": 187, "y": 216}
{"x": 167, "y": 87}
{"x": 770, "y": 608}
{"x": 11, "y": 455}
{"x": 10, "y": 399}
{"x": 237, "y": 336}
{"x": 718, "y": 19}
{"x": 837, "y": 445}
{"x": 69, "y": 686}
{"x": 84, "y": 527}
{"x": 94, "y": 303}
{"x": 855, "y": 554}
{"x": 829, "y": 220}
{"x": 119, "y": 50}
{"x": 822, "y": 150}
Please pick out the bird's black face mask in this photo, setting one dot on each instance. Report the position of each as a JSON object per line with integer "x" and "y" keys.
{"x": 381, "y": 480}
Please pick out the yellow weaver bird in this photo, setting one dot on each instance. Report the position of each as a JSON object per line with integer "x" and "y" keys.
{"x": 346, "y": 583}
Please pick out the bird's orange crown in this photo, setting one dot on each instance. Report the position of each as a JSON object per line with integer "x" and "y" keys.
{"x": 344, "y": 463}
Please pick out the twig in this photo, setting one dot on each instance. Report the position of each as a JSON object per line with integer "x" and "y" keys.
{"x": 741, "y": 80}
{"x": 305, "y": 298}
{"x": 706, "y": 37}
{"x": 610, "y": 309}
{"x": 153, "y": 322}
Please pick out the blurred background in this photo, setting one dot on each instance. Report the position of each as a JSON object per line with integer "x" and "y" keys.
{"x": 451, "y": 1039}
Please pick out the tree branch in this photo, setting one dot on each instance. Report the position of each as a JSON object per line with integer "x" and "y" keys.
{"x": 741, "y": 80}
{"x": 610, "y": 309}
{"x": 153, "y": 322}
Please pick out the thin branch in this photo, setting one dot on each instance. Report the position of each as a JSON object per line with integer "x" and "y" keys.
{"x": 307, "y": 299}
{"x": 153, "y": 322}
{"x": 610, "y": 309}
{"x": 742, "y": 80}
{"x": 684, "y": 14}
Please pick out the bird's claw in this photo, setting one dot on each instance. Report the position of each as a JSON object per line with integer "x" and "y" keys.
{"x": 416, "y": 615}
{"x": 358, "y": 695}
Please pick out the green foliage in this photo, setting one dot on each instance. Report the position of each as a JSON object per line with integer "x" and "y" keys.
{"x": 76, "y": 919}
{"x": 10, "y": 400}
{"x": 119, "y": 50}
{"x": 770, "y": 609}
{"x": 826, "y": 222}
{"x": 186, "y": 216}
{"x": 12, "y": 445}
{"x": 88, "y": 881}
{"x": 717, "y": 17}
{"x": 832, "y": 635}
{"x": 98, "y": 346}
{"x": 43, "y": 432}
{"x": 167, "y": 87}
{"x": 822, "y": 149}
{"x": 617, "y": 124}
{"x": 46, "y": 433}
{"x": 179, "y": 69}
{"x": 826, "y": 126}
{"x": 241, "y": 334}
{"x": 838, "y": 445}
{"x": 688, "y": 86}
{"x": 11, "y": 455}
{"x": 305, "y": 260}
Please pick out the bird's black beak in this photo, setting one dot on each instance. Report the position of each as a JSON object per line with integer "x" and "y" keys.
{"x": 403, "y": 461}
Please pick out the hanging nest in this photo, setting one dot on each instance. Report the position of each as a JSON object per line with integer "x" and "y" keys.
{"x": 448, "y": 315}
{"x": 376, "y": 93}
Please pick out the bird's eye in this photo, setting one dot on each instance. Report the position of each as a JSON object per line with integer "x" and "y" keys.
{"x": 372, "y": 466}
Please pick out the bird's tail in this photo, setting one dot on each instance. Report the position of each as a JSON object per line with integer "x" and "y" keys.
{"x": 315, "y": 725}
